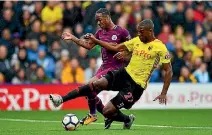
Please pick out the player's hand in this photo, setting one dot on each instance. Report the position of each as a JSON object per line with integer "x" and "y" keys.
{"x": 67, "y": 36}
{"x": 119, "y": 55}
{"x": 162, "y": 99}
{"x": 90, "y": 36}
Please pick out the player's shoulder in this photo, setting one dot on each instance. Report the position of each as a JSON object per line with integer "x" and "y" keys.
{"x": 159, "y": 44}
{"x": 121, "y": 29}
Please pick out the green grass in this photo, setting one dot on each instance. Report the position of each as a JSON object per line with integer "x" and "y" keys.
{"x": 174, "y": 118}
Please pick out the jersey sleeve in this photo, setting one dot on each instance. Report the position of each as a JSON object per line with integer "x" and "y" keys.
{"x": 164, "y": 54}
{"x": 125, "y": 35}
{"x": 130, "y": 44}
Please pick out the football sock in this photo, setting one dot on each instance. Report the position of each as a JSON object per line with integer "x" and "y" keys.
{"x": 79, "y": 92}
{"x": 92, "y": 102}
{"x": 121, "y": 117}
{"x": 99, "y": 105}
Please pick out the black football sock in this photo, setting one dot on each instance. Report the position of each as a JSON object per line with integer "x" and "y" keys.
{"x": 121, "y": 117}
{"x": 79, "y": 92}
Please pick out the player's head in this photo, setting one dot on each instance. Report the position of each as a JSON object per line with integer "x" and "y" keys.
{"x": 145, "y": 30}
{"x": 103, "y": 18}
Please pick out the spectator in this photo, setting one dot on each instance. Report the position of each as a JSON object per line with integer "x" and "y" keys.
{"x": 31, "y": 71}
{"x": 186, "y": 76}
{"x": 78, "y": 30}
{"x": 56, "y": 50}
{"x": 83, "y": 58}
{"x": 38, "y": 9}
{"x": 202, "y": 74}
{"x": 199, "y": 32}
{"x": 208, "y": 20}
{"x": 178, "y": 17}
{"x": 116, "y": 14}
{"x": 36, "y": 30}
{"x": 6, "y": 40}
{"x": 73, "y": 73}
{"x": 8, "y": 21}
{"x": 179, "y": 48}
{"x": 149, "y": 15}
{"x": 20, "y": 77}
{"x": 63, "y": 63}
{"x": 72, "y": 14}
{"x": 189, "y": 46}
{"x": 26, "y": 22}
{"x": 162, "y": 15}
{"x": 170, "y": 43}
{"x": 46, "y": 15}
{"x": 207, "y": 58}
{"x": 189, "y": 20}
{"x": 32, "y": 50}
{"x": 199, "y": 12}
{"x": 91, "y": 70}
{"x": 179, "y": 33}
{"x": 46, "y": 62}
{"x": 164, "y": 35}
{"x": 197, "y": 63}
{"x": 197, "y": 52}
{"x": 209, "y": 40}
{"x": 188, "y": 59}
{"x": 22, "y": 58}
{"x": 41, "y": 77}
{"x": 5, "y": 66}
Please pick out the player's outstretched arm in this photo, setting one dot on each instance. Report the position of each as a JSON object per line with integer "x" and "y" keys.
{"x": 167, "y": 80}
{"x": 110, "y": 46}
{"x": 123, "y": 55}
{"x": 86, "y": 43}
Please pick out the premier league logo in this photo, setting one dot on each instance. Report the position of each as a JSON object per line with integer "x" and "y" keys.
{"x": 114, "y": 37}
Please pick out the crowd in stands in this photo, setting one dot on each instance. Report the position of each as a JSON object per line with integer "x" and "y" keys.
{"x": 31, "y": 49}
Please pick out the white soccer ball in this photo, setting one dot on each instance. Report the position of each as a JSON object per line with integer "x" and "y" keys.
{"x": 70, "y": 122}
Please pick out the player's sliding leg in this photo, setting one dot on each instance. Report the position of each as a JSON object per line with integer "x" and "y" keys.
{"x": 92, "y": 116}
{"x": 85, "y": 90}
{"x": 114, "y": 114}
{"x": 94, "y": 104}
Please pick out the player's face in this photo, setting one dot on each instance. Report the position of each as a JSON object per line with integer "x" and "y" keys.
{"x": 102, "y": 20}
{"x": 143, "y": 33}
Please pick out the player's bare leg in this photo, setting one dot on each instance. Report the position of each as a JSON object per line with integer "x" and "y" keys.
{"x": 113, "y": 114}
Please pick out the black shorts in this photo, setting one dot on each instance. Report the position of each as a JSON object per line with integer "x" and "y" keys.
{"x": 129, "y": 90}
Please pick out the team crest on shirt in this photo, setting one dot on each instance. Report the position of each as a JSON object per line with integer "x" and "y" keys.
{"x": 167, "y": 56}
{"x": 114, "y": 37}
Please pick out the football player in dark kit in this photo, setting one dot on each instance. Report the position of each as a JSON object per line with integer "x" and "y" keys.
{"x": 108, "y": 32}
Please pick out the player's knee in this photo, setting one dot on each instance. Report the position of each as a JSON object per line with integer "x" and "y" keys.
{"x": 100, "y": 84}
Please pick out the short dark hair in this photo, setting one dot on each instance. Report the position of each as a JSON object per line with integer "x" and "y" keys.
{"x": 147, "y": 23}
{"x": 103, "y": 11}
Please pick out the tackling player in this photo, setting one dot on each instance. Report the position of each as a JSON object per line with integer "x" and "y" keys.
{"x": 132, "y": 80}
{"x": 109, "y": 32}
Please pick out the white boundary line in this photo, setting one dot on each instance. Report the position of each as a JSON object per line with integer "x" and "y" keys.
{"x": 136, "y": 125}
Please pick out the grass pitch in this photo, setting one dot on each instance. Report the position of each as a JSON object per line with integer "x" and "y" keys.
{"x": 148, "y": 122}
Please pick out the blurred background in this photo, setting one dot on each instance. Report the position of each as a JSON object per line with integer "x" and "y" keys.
{"x": 31, "y": 50}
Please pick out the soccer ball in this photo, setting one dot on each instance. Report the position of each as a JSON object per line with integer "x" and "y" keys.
{"x": 70, "y": 122}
